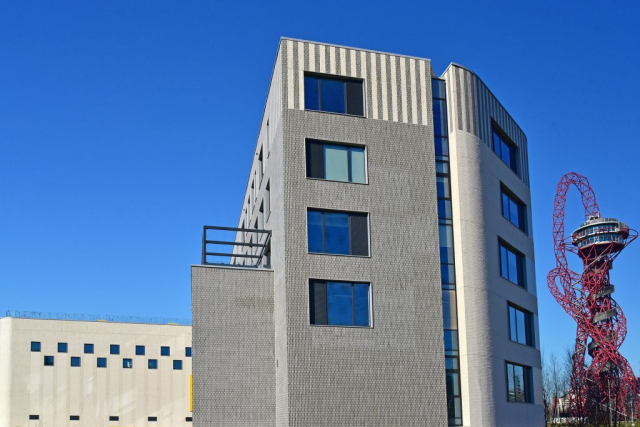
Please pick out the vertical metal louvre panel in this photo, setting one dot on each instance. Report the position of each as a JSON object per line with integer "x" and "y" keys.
{"x": 318, "y": 302}
{"x": 359, "y": 234}
{"x": 315, "y": 160}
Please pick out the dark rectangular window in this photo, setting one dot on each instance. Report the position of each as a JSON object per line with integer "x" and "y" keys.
{"x": 187, "y": 351}
{"x": 177, "y": 365}
{"x": 48, "y": 361}
{"x": 339, "y": 303}
{"x": 188, "y": 419}
{"x": 454, "y": 400}
{"x": 88, "y": 348}
{"x": 140, "y": 350}
{"x": 521, "y": 325}
{"x": 114, "y": 418}
{"x": 114, "y": 349}
{"x": 336, "y": 162}
{"x": 153, "y": 364}
{"x": 152, "y": 419}
{"x": 101, "y": 362}
{"x": 514, "y": 210}
{"x": 75, "y": 362}
{"x": 35, "y": 346}
{"x": 519, "y": 383}
{"x": 34, "y": 417}
{"x": 512, "y": 265}
{"x": 164, "y": 351}
{"x": 505, "y": 149}
{"x": 449, "y": 309}
{"x": 334, "y": 95}
{"x": 341, "y": 233}
{"x": 127, "y": 363}
{"x": 74, "y": 418}
{"x": 63, "y": 347}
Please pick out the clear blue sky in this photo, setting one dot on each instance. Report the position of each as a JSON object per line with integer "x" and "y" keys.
{"x": 127, "y": 125}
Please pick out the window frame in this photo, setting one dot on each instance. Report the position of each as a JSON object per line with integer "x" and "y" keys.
{"x": 36, "y": 346}
{"x": 368, "y": 216}
{"x": 344, "y": 79}
{"x": 140, "y": 347}
{"x": 522, "y": 209}
{"x": 50, "y": 359}
{"x": 124, "y": 363}
{"x": 310, "y": 283}
{"x": 114, "y": 348}
{"x": 521, "y": 261}
{"x": 527, "y": 386}
{"x": 515, "y": 153}
{"x": 103, "y": 360}
{"x": 63, "y": 347}
{"x": 178, "y": 363}
{"x": 74, "y": 359}
{"x": 155, "y": 363}
{"x": 348, "y": 145}
{"x": 89, "y": 346}
{"x": 530, "y": 336}
{"x": 162, "y": 348}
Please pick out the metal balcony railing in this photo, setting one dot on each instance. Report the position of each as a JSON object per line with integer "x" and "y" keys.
{"x": 250, "y": 247}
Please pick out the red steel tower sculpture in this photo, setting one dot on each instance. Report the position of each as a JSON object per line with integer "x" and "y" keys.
{"x": 587, "y": 298}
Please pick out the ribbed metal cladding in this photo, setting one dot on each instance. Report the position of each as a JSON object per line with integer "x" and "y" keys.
{"x": 395, "y": 86}
{"x": 477, "y": 107}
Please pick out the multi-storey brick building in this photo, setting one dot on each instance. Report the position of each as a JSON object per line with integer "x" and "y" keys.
{"x": 395, "y": 283}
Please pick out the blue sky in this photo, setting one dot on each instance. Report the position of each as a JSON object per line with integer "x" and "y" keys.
{"x": 127, "y": 125}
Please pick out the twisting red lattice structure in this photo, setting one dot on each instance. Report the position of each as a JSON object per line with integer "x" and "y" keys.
{"x": 587, "y": 298}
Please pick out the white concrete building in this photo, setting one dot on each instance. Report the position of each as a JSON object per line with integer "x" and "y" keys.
{"x": 57, "y": 373}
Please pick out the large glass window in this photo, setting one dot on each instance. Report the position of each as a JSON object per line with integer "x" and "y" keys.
{"x": 342, "y": 233}
{"x": 518, "y": 383}
{"x": 513, "y": 209}
{"x": 334, "y": 95}
{"x": 339, "y": 303}
{"x": 505, "y": 149}
{"x": 520, "y": 325}
{"x": 512, "y": 265}
{"x": 335, "y": 162}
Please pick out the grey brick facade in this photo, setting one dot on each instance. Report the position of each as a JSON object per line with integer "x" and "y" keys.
{"x": 257, "y": 358}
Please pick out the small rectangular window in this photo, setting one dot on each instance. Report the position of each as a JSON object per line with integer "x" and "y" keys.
{"x": 114, "y": 349}
{"x": 187, "y": 351}
{"x": 75, "y": 362}
{"x": 261, "y": 165}
{"x": 34, "y": 417}
{"x": 101, "y": 362}
{"x": 114, "y": 418}
{"x": 512, "y": 265}
{"x": 88, "y": 348}
{"x": 152, "y": 419}
{"x": 177, "y": 365}
{"x": 521, "y": 325}
{"x": 334, "y": 95}
{"x": 505, "y": 148}
{"x": 164, "y": 351}
{"x": 153, "y": 364}
{"x": 513, "y": 209}
{"x": 48, "y": 361}
{"x": 339, "y": 233}
{"x": 63, "y": 347}
{"x": 519, "y": 383}
{"x": 188, "y": 419}
{"x": 140, "y": 350}
{"x": 74, "y": 418}
{"x": 35, "y": 346}
{"x": 127, "y": 363}
{"x": 336, "y": 162}
{"x": 339, "y": 303}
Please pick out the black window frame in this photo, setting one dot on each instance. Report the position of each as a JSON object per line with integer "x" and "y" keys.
{"x": 514, "y": 156}
{"x": 312, "y": 305}
{"x": 529, "y": 332}
{"x": 527, "y": 386}
{"x": 522, "y": 208}
{"x": 351, "y": 214}
{"x": 521, "y": 264}
{"x": 309, "y": 161}
{"x": 34, "y": 417}
{"x": 345, "y": 80}
{"x": 152, "y": 419}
